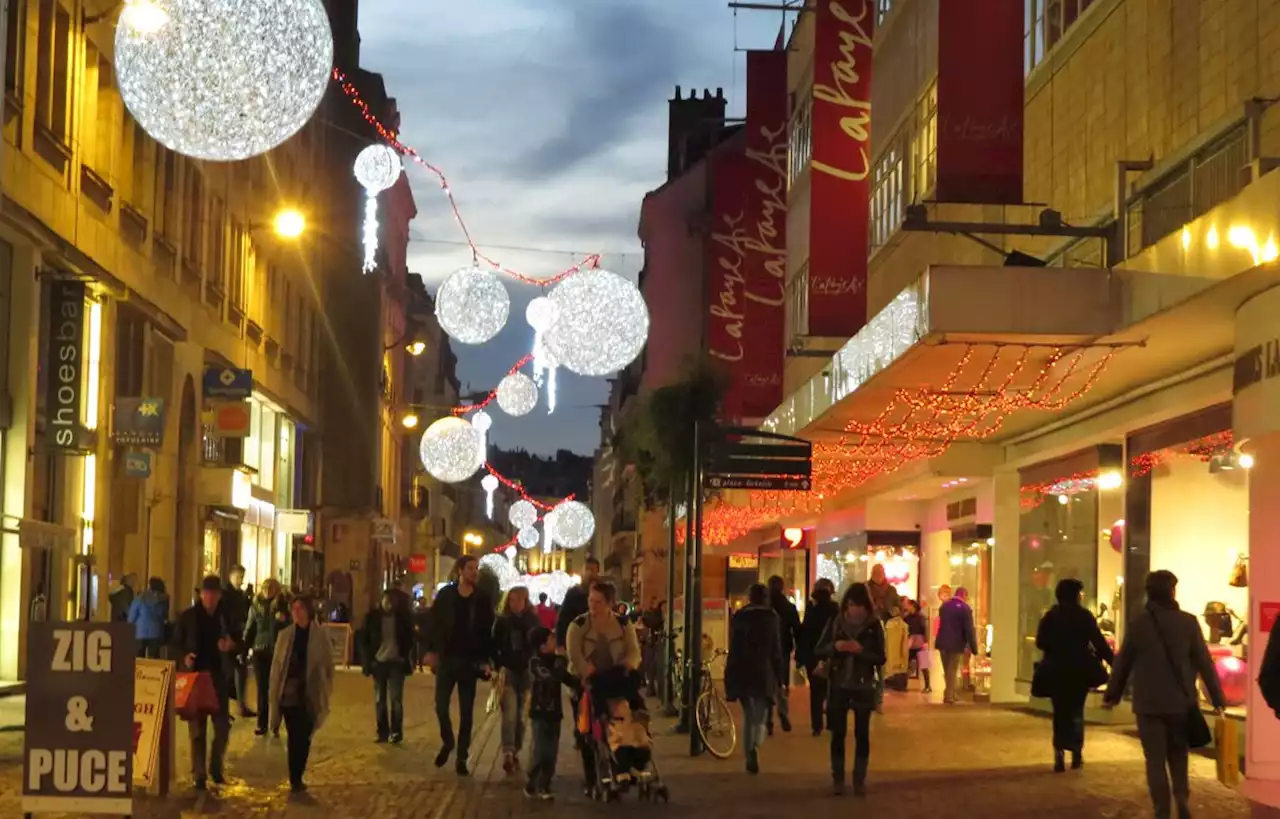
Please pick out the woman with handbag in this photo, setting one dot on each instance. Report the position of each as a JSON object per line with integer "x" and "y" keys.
{"x": 852, "y": 650}
{"x": 1074, "y": 653}
{"x": 301, "y": 681}
{"x": 1164, "y": 651}
{"x": 512, "y": 653}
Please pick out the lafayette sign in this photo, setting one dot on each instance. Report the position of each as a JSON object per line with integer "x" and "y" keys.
{"x": 64, "y": 365}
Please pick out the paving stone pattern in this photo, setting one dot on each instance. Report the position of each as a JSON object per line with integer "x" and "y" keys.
{"x": 927, "y": 759}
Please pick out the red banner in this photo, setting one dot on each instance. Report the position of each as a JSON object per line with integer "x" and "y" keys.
{"x": 726, "y": 274}
{"x": 765, "y": 262}
{"x": 980, "y": 101}
{"x": 840, "y": 176}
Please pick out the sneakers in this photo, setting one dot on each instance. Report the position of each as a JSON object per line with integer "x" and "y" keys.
{"x": 531, "y": 791}
{"x": 396, "y": 739}
{"x": 785, "y": 723}
{"x": 461, "y": 767}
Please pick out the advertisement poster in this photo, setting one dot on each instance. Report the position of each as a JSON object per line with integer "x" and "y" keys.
{"x": 152, "y": 681}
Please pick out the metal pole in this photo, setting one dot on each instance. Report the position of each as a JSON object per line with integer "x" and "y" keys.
{"x": 669, "y": 645}
{"x": 693, "y": 631}
{"x": 683, "y": 724}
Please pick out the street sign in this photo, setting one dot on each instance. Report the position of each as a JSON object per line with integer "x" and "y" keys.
{"x": 384, "y": 530}
{"x": 227, "y": 382}
{"x": 137, "y": 464}
{"x": 230, "y": 419}
{"x": 417, "y": 564}
{"x": 769, "y": 483}
{"x": 77, "y": 754}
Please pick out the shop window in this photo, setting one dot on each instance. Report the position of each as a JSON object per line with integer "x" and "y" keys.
{"x": 800, "y": 143}
{"x": 15, "y": 51}
{"x": 888, "y": 191}
{"x": 924, "y": 146}
{"x": 1046, "y": 21}
{"x": 53, "y": 73}
{"x": 266, "y": 477}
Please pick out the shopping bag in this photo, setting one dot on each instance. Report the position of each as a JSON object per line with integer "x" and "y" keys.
{"x": 495, "y": 692}
{"x": 194, "y": 694}
{"x": 1226, "y": 743}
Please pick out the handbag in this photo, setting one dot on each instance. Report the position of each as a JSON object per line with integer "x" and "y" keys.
{"x": 1240, "y": 573}
{"x": 495, "y": 692}
{"x": 194, "y": 695}
{"x": 1198, "y": 733}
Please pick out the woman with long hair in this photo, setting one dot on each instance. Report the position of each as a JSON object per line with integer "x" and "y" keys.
{"x": 754, "y": 671}
{"x": 1074, "y": 651}
{"x": 852, "y": 650}
{"x": 513, "y": 650}
{"x": 301, "y": 682}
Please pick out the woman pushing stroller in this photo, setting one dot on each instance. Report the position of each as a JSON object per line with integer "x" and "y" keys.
{"x": 604, "y": 655}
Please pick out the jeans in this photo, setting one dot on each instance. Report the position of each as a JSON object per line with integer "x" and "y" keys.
{"x": 950, "y": 674}
{"x": 201, "y": 766}
{"x": 1164, "y": 745}
{"x": 300, "y": 726}
{"x": 149, "y": 648}
{"x": 781, "y": 701}
{"x": 880, "y": 687}
{"x": 818, "y": 687}
{"x": 388, "y": 698}
{"x": 1068, "y": 720}
{"x": 515, "y": 695}
{"x": 755, "y": 713}
{"x": 542, "y": 754}
{"x": 838, "y": 708}
{"x": 262, "y": 681}
{"x": 240, "y": 671}
{"x": 461, "y": 675}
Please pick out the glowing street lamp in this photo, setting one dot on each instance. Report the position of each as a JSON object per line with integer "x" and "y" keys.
{"x": 410, "y": 420}
{"x": 289, "y": 224}
{"x": 416, "y": 348}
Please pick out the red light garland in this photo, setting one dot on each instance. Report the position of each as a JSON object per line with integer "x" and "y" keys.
{"x": 1217, "y": 443}
{"x": 920, "y": 424}
{"x": 392, "y": 139}
{"x": 463, "y": 409}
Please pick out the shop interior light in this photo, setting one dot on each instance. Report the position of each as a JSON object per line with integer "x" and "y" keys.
{"x": 1245, "y": 460}
{"x": 410, "y": 420}
{"x": 1062, "y": 499}
{"x": 1111, "y": 479}
{"x": 416, "y": 348}
{"x": 991, "y": 541}
{"x": 956, "y": 560}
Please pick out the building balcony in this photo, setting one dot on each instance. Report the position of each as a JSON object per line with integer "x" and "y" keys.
{"x": 623, "y": 521}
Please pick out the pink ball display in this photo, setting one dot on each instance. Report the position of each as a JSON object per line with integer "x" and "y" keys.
{"x": 1233, "y": 672}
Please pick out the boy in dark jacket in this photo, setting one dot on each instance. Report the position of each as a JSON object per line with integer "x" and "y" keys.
{"x": 548, "y": 675}
{"x": 386, "y": 655}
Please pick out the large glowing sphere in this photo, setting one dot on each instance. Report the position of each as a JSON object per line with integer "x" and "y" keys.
{"x": 472, "y": 305}
{"x": 223, "y": 80}
{"x": 450, "y": 450}
{"x": 574, "y": 525}
{"x": 522, "y": 514}
{"x": 377, "y": 168}
{"x": 602, "y": 324}
{"x": 517, "y": 394}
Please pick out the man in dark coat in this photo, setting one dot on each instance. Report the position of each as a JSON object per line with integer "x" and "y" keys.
{"x": 236, "y": 605}
{"x": 574, "y": 604}
{"x": 205, "y": 641}
{"x": 755, "y": 668}
{"x": 822, "y": 609}
{"x": 459, "y": 650}
{"x": 386, "y": 655}
{"x": 789, "y": 630}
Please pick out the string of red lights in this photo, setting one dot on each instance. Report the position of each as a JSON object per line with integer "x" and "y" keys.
{"x": 463, "y": 409}
{"x": 393, "y": 139}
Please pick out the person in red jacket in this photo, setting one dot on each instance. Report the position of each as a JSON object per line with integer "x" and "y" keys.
{"x": 546, "y": 612}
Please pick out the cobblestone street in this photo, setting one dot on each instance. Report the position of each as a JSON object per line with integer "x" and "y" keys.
{"x": 926, "y": 760}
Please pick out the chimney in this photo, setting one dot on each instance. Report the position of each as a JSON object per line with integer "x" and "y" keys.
{"x": 696, "y": 125}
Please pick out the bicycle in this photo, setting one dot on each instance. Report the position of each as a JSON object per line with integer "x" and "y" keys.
{"x": 712, "y": 715}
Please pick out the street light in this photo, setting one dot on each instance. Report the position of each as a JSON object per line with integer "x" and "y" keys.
{"x": 410, "y": 420}
{"x": 473, "y": 539}
{"x": 144, "y": 16}
{"x": 416, "y": 348}
{"x": 289, "y": 223}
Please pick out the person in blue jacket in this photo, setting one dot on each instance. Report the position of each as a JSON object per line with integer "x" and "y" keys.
{"x": 149, "y": 615}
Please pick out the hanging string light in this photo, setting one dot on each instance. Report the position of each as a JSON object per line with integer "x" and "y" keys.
{"x": 482, "y": 422}
{"x": 377, "y": 169}
{"x": 541, "y": 314}
{"x": 490, "y": 485}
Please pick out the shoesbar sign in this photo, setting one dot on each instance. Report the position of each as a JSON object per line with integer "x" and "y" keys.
{"x": 64, "y": 365}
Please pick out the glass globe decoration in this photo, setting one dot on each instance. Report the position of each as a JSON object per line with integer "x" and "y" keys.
{"x": 541, "y": 313}
{"x": 502, "y": 568}
{"x": 510, "y": 552}
{"x": 528, "y": 537}
{"x": 377, "y": 168}
{"x": 450, "y": 450}
{"x": 472, "y": 305}
{"x": 224, "y": 81}
{"x": 522, "y": 514}
{"x": 517, "y": 395}
{"x": 602, "y": 326}
{"x": 574, "y": 525}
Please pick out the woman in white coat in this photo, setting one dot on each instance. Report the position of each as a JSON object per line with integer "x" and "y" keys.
{"x": 301, "y": 684}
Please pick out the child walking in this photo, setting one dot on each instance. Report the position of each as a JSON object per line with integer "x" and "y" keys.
{"x": 548, "y": 673}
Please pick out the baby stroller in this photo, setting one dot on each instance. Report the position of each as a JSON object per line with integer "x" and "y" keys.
{"x": 630, "y": 766}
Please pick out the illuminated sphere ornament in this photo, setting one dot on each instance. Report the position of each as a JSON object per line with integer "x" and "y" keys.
{"x": 602, "y": 326}
{"x": 472, "y": 305}
{"x": 517, "y": 395}
{"x": 574, "y": 525}
{"x": 528, "y": 537}
{"x": 510, "y": 552}
{"x": 224, "y": 81}
{"x": 522, "y": 514}
{"x": 502, "y": 568}
{"x": 541, "y": 313}
{"x": 450, "y": 450}
{"x": 377, "y": 168}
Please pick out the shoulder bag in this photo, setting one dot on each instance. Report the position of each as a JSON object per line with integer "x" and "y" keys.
{"x": 1198, "y": 733}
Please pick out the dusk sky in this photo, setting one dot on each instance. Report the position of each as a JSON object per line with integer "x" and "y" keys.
{"x": 550, "y": 120}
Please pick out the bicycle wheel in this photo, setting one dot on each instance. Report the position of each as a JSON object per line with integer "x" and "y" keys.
{"x": 715, "y": 724}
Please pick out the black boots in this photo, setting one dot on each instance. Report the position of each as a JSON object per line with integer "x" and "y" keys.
{"x": 1077, "y": 761}
{"x": 1059, "y": 760}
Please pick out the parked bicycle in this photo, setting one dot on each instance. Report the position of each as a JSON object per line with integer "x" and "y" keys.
{"x": 711, "y": 715}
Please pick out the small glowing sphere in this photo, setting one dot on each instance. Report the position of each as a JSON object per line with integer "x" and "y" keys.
{"x": 522, "y": 514}
{"x": 489, "y": 483}
{"x": 574, "y": 525}
{"x": 377, "y": 168}
{"x": 541, "y": 313}
{"x": 603, "y": 323}
{"x": 510, "y": 552}
{"x": 481, "y": 420}
{"x": 223, "y": 81}
{"x": 517, "y": 395}
{"x": 450, "y": 450}
{"x": 472, "y": 305}
{"x": 528, "y": 537}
